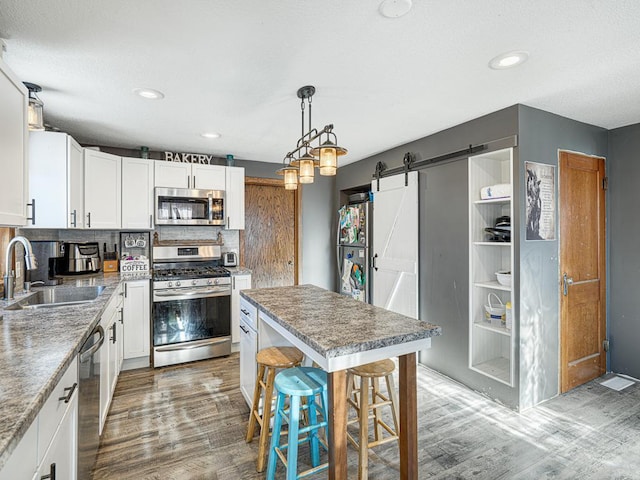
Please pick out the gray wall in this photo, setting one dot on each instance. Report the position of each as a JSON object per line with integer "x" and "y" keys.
{"x": 444, "y": 248}
{"x": 624, "y": 230}
{"x": 541, "y": 135}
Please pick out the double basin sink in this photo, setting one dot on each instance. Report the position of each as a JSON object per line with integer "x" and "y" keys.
{"x": 53, "y": 297}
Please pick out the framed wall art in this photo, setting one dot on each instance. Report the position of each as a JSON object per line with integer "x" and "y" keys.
{"x": 540, "y": 212}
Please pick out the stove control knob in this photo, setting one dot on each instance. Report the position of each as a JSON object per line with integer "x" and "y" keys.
{"x": 170, "y": 284}
{"x": 209, "y": 282}
{"x": 177, "y": 283}
{"x": 193, "y": 282}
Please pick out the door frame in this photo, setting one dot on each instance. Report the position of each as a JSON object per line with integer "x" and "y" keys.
{"x": 604, "y": 264}
{"x": 274, "y": 182}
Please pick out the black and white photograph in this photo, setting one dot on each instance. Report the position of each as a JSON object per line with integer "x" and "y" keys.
{"x": 541, "y": 204}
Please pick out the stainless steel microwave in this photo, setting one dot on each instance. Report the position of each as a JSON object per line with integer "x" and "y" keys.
{"x": 184, "y": 206}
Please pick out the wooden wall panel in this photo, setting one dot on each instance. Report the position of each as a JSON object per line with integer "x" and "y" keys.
{"x": 269, "y": 239}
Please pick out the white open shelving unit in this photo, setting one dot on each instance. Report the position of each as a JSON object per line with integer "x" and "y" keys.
{"x": 491, "y": 347}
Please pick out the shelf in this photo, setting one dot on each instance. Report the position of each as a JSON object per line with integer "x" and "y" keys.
{"x": 493, "y": 244}
{"x": 499, "y": 201}
{"x": 494, "y": 285}
{"x": 496, "y": 368}
{"x": 489, "y": 327}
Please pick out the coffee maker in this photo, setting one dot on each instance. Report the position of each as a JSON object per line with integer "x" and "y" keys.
{"x": 50, "y": 255}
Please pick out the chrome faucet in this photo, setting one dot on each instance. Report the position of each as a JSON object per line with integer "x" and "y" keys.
{"x": 30, "y": 263}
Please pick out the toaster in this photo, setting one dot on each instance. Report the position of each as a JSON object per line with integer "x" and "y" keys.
{"x": 230, "y": 259}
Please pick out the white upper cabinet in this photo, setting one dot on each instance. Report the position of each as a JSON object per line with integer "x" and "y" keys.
{"x": 56, "y": 182}
{"x": 172, "y": 174}
{"x": 187, "y": 175}
{"x": 102, "y": 190}
{"x": 234, "y": 198}
{"x": 208, "y": 177}
{"x": 13, "y": 148}
{"x": 137, "y": 193}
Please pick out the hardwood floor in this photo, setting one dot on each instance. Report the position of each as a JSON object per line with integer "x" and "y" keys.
{"x": 188, "y": 422}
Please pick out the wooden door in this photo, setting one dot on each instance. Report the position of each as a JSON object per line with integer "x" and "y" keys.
{"x": 269, "y": 241}
{"x": 582, "y": 269}
{"x": 395, "y": 244}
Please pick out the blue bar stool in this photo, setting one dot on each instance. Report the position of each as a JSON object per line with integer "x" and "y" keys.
{"x": 297, "y": 383}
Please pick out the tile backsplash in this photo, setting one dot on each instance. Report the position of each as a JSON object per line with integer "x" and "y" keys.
{"x": 231, "y": 239}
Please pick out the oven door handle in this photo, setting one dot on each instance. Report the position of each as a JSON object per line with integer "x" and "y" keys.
{"x": 177, "y": 295}
{"x": 192, "y": 345}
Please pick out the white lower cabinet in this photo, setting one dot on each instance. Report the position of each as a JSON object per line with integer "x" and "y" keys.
{"x": 50, "y": 443}
{"x": 248, "y": 349}
{"x": 23, "y": 462}
{"x": 239, "y": 282}
{"x": 60, "y": 460}
{"x": 137, "y": 318}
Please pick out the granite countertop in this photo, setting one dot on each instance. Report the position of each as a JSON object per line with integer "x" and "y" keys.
{"x": 238, "y": 270}
{"x": 335, "y": 325}
{"x": 37, "y": 346}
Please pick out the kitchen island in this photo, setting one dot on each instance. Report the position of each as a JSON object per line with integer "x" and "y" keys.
{"x": 337, "y": 333}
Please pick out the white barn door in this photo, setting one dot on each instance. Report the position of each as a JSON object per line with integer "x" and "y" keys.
{"x": 395, "y": 244}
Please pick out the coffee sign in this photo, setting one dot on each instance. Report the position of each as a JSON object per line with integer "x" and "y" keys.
{"x": 188, "y": 158}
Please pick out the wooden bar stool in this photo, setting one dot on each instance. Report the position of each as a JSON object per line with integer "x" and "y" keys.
{"x": 299, "y": 384}
{"x": 360, "y": 400}
{"x": 269, "y": 361}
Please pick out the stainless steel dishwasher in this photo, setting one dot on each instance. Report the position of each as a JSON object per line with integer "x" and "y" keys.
{"x": 89, "y": 402}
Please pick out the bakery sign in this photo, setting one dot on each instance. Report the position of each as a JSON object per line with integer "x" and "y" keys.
{"x": 188, "y": 158}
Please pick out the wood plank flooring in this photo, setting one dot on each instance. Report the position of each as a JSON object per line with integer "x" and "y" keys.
{"x": 188, "y": 422}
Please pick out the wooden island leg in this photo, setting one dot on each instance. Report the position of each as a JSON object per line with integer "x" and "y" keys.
{"x": 337, "y": 386}
{"x": 408, "y": 417}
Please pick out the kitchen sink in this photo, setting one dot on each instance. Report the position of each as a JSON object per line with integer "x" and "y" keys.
{"x": 54, "y": 297}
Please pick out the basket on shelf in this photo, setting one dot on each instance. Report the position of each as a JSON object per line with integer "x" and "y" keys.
{"x": 495, "y": 313}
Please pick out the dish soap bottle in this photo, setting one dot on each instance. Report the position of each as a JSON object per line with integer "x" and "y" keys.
{"x": 509, "y": 316}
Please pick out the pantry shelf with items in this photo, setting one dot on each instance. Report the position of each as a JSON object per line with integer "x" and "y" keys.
{"x": 491, "y": 265}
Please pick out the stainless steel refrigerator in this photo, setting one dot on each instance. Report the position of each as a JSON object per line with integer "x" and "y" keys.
{"x": 353, "y": 249}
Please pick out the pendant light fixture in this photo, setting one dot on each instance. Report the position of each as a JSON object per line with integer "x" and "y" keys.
{"x": 324, "y": 155}
{"x": 34, "y": 110}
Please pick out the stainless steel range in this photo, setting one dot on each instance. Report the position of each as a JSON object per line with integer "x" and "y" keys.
{"x": 191, "y": 304}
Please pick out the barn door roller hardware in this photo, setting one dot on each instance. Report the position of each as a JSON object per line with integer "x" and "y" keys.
{"x": 409, "y": 164}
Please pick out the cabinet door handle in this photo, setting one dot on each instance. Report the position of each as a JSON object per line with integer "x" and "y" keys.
{"x": 228, "y": 222}
{"x": 113, "y": 329}
{"x": 373, "y": 261}
{"x": 74, "y": 216}
{"x": 89, "y": 220}
{"x": 244, "y": 329}
{"x": 244, "y": 311}
{"x": 121, "y": 316}
{"x": 194, "y": 181}
{"x": 70, "y": 390}
{"x": 189, "y": 181}
{"x": 33, "y": 211}
{"x": 52, "y": 473}
{"x": 125, "y": 291}
{"x": 150, "y": 221}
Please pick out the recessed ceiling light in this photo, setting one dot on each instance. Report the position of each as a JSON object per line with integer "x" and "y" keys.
{"x": 210, "y": 135}
{"x": 508, "y": 60}
{"x": 394, "y": 8}
{"x": 148, "y": 93}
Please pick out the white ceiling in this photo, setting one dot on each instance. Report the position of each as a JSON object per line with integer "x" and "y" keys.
{"x": 234, "y": 66}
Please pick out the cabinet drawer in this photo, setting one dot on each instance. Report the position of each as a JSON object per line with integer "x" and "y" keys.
{"x": 54, "y": 409}
{"x": 249, "y": 313}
